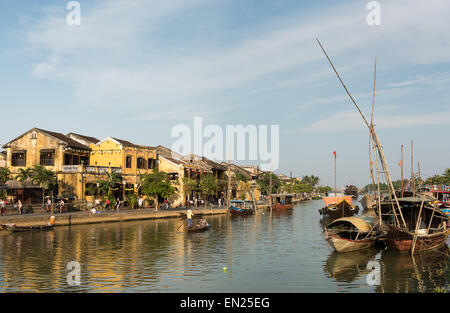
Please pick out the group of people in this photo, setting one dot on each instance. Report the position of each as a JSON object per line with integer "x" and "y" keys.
{"x": 3, "y": 204}
{"x": 60, "y": 205}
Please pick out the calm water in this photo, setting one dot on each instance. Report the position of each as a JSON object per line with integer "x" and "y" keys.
{"x": 262, "y": 253}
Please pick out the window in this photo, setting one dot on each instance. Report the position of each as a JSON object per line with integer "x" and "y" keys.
{"x": 140, "y": 163}
{"x": 67, "y": 159}
{"x": 151, "y": 164}
{"x": 19, "y": 158}
{"x": 128, "y": 161}
{"x": 76, "y": 160}
{"x": 47, "y": 157}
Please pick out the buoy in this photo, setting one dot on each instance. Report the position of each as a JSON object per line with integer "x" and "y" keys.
{"x": 224, "y": 269}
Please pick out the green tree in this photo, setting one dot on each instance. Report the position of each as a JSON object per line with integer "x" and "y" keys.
{"x": 107, "y": 186}
{"x": 189, "y": 185}
{"x": 24, "y": 174}
{"x": 5, "y": 175}
{"x": 44, "y": 177}
{"x": 264, "y": 182}
{"x": 157, "y": 184}
{"x": 208, "y": 187}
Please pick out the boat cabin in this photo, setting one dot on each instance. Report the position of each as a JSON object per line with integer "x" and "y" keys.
{"x": 242, "y": 204}
{"x": 283, "y": 199}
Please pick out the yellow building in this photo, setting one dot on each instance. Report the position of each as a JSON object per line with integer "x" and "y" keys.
{"x": 133, "y": 160}
{"x": 56, "y": 152}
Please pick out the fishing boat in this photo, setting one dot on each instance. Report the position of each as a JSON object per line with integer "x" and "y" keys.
{"x": 418, "y": 226}
{"x": 336, "y": 207}
{"x": 282, "y": 202}
{"x": 17, "y": 228}
{"x": 351, "y": 190}
{"x": 198, "y": 225}
{"x": 368, "y": 202}
{"x": 351, "y": 234}
{"x": 241, "y": 207}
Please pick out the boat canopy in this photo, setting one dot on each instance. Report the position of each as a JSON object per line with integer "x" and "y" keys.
{"x": 358, "y": 223}
{"x": 333, "y": 200}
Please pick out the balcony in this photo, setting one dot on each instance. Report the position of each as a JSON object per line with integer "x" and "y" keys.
{"x": 90, "y": 169}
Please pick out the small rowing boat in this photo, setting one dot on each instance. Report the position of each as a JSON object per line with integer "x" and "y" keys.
{"x": 17, "y": 228}
{"x": 282, "y": 201}
{"x": 351, "y": 234}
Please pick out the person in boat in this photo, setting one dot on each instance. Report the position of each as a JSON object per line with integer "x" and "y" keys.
{"x": 189, "y": 216}
{"x": 51, "y": 222}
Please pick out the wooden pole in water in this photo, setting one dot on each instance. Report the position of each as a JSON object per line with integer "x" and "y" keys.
{"x": 371, "y": 123}
{"x": 401, "y": 162}
{"x": 419, "y": 218}
{"x": 374, "y": 136}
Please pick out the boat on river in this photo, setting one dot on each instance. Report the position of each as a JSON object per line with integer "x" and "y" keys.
{"x": 282, "y": 202}
{"x": 421, "y": 226}
{"x": 368, "y": 202}
{"x": 18, "y": 228}
{"x": 351, "y": 234}
{"x": 336, "y": 207}
{"x": 241, "y": 207}
{"x": 198, "y": 225}
{"x": 351, "y": 190}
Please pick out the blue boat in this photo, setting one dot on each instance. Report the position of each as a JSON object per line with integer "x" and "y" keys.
{"x": 241, "y": 207}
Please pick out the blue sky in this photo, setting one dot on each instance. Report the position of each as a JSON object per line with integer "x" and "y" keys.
{"x": 135, "y": 69}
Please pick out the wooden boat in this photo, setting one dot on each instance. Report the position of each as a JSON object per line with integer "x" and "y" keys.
{"x": 282, "y": 202}
{"x": 241, "y": 207}
{"x": 368, "y": 202}
{"x": 351, "y": 190}
{"x": 336, "y": 207}
{"x": 198, "y": 225}
{"x": 423, "y": 229}
{"x": 17, "y": 228}
{"x": 351, "y": 234}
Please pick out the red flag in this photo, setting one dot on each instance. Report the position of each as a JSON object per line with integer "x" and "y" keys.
{"x": 334, "y": 153}
{"x": 371, "y": 163}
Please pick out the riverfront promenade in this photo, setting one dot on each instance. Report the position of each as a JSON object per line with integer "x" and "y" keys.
{"x": 86, "y": 217}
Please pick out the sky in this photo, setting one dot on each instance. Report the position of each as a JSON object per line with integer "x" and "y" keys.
{"x": 134, "y": 70}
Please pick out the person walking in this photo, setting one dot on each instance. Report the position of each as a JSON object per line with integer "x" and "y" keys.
{"x": 117, "y": 204}
{"x": 140, "y": 202}
{"x": 2, "y": 205}
{"x": 220, "y": 202}
{"x": 19, "y": 206}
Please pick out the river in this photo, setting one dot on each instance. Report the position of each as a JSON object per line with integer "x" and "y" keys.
{"x": 261, "y": 253}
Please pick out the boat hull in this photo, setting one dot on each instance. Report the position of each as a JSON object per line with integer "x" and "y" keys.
{"x": 236, "y": 211}
{"x": 348, "y": 245}
{"x": 400, "y": 240}
{"x": 15, "y": 228}
{"x": 341, "y": 209}
{"x": 198, "y": 229}
{"x": 279, "y": 206}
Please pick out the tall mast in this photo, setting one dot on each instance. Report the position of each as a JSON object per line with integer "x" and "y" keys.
{"x": 413, "y": 183}
{"x": 374, "y": 136}
{"x": 401, "y": 162}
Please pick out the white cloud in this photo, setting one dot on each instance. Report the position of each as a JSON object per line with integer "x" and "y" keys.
{"x": 112, "y": 60}
{"x": 352, "y": 121}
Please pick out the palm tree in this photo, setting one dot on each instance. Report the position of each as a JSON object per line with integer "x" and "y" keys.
{"x": 24, "y": 174}
{"x": 107, "y": 185}
{"x": 45, "y": 178}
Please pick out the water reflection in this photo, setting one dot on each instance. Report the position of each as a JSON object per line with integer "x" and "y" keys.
{"x": 267, "y": 252}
